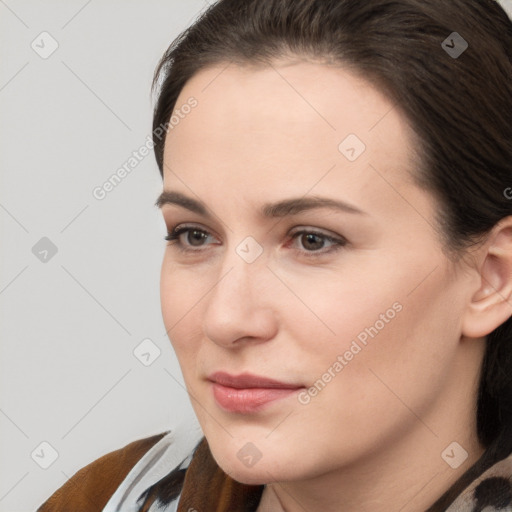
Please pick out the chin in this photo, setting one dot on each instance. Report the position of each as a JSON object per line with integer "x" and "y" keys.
{"x": 250, "y": 472}
{"x": 257, "y": 475}
{"x": 250, "y": 478}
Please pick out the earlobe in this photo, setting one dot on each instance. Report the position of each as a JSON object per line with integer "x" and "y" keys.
{"x": 491, "y": 305}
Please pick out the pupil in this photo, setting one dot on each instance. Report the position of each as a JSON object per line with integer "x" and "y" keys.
{"x": 195, "y": 237}
{"x": 313, "y": 241}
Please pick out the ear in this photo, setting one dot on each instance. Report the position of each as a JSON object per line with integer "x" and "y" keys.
{"x": 491, "y": 304}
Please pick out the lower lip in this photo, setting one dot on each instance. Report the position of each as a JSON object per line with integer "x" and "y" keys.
{"x": 248, "y": 399}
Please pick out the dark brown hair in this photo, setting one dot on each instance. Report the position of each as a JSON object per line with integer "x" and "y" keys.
{"x": 460, "y": 108}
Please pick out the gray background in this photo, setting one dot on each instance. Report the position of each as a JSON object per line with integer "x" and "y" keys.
{"x": 69, "y": 325}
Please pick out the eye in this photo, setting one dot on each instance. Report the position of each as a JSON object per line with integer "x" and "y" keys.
{"x": 188, "y": 236}
{"x": 315, "y": 243}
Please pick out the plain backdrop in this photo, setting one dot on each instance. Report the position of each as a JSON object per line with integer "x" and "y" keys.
{"x": 79, "y": 276}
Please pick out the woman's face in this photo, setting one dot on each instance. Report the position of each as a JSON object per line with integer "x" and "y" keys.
{"x": 353, "y": 304}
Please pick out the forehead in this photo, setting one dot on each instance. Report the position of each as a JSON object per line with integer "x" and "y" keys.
{"x": 292, "y": 125}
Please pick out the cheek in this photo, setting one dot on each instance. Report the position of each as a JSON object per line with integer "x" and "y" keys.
{"x": 391, "y": 349}
{"x": 338, "y": 308}
{"x": 180, "y": 296}
{"x": 181, "y": 289}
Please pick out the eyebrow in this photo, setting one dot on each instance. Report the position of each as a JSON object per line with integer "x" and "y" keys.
{"x": 282, "y": 208}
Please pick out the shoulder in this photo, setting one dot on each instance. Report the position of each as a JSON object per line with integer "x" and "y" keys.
{"x": 491, "y": 491}
{"x": 90, "y": 488}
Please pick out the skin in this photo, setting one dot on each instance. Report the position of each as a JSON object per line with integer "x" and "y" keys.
{"x": 372, "y": 438}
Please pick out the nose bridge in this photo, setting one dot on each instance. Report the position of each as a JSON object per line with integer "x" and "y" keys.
{"x": 241, "y": 270}
{"x": 237, "y": 306}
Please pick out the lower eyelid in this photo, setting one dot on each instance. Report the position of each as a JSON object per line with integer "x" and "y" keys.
{"x": 178, "y": 230}
{"x": 330, "y": 238}
{"x": 324, "y": 251}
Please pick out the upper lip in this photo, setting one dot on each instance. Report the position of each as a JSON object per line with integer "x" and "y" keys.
{"x": 248, "y": 380}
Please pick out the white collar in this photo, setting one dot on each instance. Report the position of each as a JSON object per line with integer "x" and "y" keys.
{"x": 175, "y": 447}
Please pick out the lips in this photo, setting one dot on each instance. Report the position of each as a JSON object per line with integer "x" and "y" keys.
{"x": 248, "y": 380}
{"x": 246, "y": 393}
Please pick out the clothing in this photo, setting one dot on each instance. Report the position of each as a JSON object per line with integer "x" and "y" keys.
{"x": 127, "y": 481}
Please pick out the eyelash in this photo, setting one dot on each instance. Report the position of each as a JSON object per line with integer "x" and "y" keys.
{"x": 338, "y": 243}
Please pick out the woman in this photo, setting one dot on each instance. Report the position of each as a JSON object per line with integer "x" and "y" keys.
{"x": 337, "y": 185}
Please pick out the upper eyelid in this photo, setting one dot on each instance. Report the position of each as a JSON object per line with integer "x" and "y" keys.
{"x": 185, "y": 226}
{"x": 294, "y": 231}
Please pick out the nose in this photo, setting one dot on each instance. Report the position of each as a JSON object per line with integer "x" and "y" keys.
{"x": 239, "y": 306}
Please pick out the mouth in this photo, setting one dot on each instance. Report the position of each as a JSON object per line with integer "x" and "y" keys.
{"x": 246, "y": 393}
